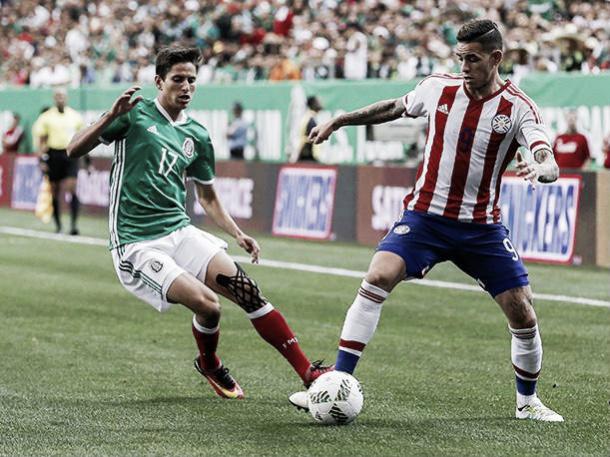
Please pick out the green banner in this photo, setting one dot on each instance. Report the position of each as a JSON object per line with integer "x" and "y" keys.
{"x": 275, "y": 112}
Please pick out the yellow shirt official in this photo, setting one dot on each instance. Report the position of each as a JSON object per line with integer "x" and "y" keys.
{"x": 59, "y": 127}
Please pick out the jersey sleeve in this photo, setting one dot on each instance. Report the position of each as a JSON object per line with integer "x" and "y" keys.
{"x": 116, "y": 130}
{"x": 531, "y": 131}
{"x": 415, "y": 100}
{"x": 202, "y": 169}
{"x": 38, "y": 128}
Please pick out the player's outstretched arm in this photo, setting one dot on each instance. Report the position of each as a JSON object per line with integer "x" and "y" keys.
{"x": 377, "y": 113}
{"x": 88, "y": 138}
{"x": 544, "y": 168}
{"x": 213, "y": 207}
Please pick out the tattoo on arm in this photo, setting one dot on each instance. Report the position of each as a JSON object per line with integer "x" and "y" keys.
{"x": 377, "y": 113}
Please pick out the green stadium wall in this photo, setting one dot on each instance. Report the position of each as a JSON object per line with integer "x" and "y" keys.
{"x": 275, "y": 111}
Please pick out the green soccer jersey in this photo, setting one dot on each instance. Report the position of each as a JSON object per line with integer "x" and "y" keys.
{"x": 153, "y": 157}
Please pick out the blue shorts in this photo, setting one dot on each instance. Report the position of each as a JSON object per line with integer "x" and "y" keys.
{"x": 483, "y": 251}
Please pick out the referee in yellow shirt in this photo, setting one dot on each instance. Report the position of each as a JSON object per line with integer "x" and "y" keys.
{"x": 55, "y": 128}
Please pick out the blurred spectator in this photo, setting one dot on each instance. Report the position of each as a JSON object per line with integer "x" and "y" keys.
{"x": 307, "y": 151}
{"x": 11, "y": 139}
{"x": 356, "y": 55}
{"x": 237, "y": 133}
{"x": 283, "y": 68}
{"x": 571, "y": 148}
{"x": 49, "y": 42}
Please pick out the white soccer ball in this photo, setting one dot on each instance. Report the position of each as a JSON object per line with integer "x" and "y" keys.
{"x": 335, "y": 398}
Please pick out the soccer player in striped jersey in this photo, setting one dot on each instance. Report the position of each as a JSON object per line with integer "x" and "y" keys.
{"x": 158, "y": 255}
{"x": 476, "y": 123}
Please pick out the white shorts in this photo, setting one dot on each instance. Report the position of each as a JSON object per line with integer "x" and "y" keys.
{"x": 148, "y": 268}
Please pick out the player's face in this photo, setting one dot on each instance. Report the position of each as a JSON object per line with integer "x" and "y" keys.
{"x": 478, "y": 66}
{"x": 177, "y": 89}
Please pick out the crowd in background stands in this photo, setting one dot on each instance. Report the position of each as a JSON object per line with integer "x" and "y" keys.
{"x": 69, "y": 42}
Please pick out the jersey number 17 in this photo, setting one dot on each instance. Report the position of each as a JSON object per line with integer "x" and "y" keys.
{"x": 168, "y": 160}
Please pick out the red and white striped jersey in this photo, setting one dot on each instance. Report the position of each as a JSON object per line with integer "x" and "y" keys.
{"x": 469, "y": 145}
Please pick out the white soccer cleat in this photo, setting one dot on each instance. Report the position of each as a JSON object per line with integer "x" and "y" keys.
{"x": 535, "y": 410}
{"x": 299, "y": 400}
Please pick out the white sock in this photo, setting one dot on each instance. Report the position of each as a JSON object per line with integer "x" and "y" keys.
{"x": 362, "y": 318}
{"x": 526, "y": 356}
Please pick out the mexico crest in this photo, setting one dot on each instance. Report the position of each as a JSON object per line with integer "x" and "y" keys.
{"x": 188, "y": 147}
{"x": 501, "y": 123}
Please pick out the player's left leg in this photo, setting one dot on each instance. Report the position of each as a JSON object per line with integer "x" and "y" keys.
{"x": 55, "y": 193}
{"x": 227, "y": 278}
{"x": 486, "y": 253}
{"x": 526, "y": 352}
{"x": 70, "y": 186}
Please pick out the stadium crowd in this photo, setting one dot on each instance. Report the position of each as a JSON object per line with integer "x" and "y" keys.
{"x": 74, "y": 42}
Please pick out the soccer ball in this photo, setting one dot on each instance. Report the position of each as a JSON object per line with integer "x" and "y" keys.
{"x": 335, "y": 398}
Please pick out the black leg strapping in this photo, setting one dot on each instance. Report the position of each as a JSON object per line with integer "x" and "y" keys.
{"x": 244, "y": 290}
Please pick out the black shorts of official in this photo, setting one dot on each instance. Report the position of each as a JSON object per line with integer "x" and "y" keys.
{"x": 237, "y": 153}
{"x": 61, "y": 166}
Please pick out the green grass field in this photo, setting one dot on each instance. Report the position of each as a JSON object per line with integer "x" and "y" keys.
{"x": 88, "y": 370}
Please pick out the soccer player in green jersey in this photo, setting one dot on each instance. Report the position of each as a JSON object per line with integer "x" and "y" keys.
{"x": 158, "y": 255}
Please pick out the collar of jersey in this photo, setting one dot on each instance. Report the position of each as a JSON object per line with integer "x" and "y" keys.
{"x": 182, "y": 117}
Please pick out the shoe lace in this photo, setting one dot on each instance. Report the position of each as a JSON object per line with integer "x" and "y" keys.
{"x": 222, "y": 374}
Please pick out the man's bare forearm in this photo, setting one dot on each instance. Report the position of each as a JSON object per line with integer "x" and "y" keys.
{"x": 548, "y": 170}
{"x": 88, "y": 138}
{"x": 377, "y": 113}
{"x": 213, "y": 207}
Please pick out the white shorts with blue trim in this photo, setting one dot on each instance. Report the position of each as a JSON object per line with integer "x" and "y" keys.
{"x": 148, "y": 268}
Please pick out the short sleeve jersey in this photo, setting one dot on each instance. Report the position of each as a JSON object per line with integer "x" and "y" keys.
{"x": 469, "y": 145}
{"x": 58, "y": 127}
{"x": 153, "y": 157}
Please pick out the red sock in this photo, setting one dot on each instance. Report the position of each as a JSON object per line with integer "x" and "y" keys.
{"x": 207, "y": 342}
{"x": 274, "y": 329}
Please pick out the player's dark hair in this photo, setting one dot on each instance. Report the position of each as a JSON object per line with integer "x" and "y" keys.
{"x": 481, "y": 31}
{"x": 168, "y": 57}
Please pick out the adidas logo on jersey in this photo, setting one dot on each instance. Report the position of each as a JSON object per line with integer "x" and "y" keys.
{"x": 153, "y": 129}
{"x": 443, "y": 108}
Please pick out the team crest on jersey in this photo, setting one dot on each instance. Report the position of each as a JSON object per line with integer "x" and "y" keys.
{"x": 156, "y": 266}
{"x": 501, "y": 123}
{"x": 401, "y": 229}
{"x": 188, "y": 147}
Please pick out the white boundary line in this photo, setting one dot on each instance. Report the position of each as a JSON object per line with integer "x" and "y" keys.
{"x": 305, "y": 267}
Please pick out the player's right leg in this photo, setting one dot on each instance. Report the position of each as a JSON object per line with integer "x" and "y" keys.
{"x": 409, "y": 250}
{"x": 149, "y": 273}
{"x": 385, "y": 271}
{"x": 192, "y": 293}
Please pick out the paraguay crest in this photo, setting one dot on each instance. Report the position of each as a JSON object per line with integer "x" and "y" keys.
{"x": 188, "y": 147}
{"x": 401, "y": 229}
{"x": 501, "y": 123}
